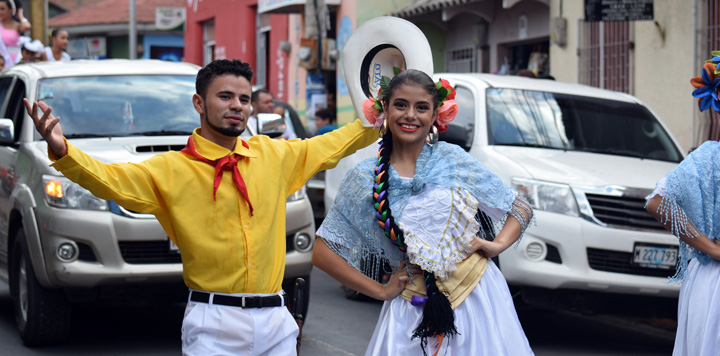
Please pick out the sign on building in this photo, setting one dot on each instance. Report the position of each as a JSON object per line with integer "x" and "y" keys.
{"x": 87, "y": 48}
{"x": 618, "y": 10}
{"x": 170, "y": 18}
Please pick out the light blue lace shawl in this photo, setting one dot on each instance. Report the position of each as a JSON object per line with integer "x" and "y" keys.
{"x": 692, "y": 188}
{"x": 351, "y": 230}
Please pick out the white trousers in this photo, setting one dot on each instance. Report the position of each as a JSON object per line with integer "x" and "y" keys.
{"x": 218, "y": 330}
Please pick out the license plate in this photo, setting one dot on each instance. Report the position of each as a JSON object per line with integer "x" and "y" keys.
{"x": 173, "y": 247}
{"x": 653, "y": 256}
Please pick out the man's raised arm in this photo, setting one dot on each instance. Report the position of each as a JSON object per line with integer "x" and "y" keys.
{"x": 48, "y": 126}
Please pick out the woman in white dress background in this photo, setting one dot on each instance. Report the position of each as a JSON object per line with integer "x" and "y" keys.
{"x": 56, "y": 50}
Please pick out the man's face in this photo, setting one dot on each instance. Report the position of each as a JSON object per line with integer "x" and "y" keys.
{"x": 264, "y": 104}
{"x": 226, "y": 108}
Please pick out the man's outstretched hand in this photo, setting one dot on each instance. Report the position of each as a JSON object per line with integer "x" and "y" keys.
{"x": 48, "y": 126}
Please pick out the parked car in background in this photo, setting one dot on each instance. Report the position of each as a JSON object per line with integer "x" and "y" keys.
{"x": 585, "y": 158}
{"x": 60, "y": 244}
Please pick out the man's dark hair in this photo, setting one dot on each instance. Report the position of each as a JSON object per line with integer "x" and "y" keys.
{"x": 220, "y": 67}
{"x": 256, "y": 94}
{"x": 326, "y": 114}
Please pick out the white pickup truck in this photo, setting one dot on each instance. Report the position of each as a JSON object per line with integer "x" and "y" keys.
{"x": 585, "y": 158}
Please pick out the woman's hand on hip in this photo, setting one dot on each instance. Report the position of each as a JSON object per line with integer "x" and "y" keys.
{"x": 397, "y": 281}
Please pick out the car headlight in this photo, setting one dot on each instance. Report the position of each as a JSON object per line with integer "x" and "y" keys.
{"x": 299, "y": 195}
{"x": 61, "y": 192}
{"x": 546, "y": 196}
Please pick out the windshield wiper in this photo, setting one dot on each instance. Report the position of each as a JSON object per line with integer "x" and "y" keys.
{"x": 161, "y": 133}
{"x": 524, "y": 144}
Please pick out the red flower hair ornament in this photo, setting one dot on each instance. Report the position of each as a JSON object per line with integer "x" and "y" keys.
{"x": 447, "y": 108}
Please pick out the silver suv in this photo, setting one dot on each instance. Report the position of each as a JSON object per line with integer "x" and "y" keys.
{"x": 60, "y": 244}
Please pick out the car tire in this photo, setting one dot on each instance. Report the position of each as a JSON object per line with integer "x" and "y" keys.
{"x": 42, "y": 315}
{"x": 289, "y": 288}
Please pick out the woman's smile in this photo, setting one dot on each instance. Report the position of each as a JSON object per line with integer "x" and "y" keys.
{"x": 408, "y": 127}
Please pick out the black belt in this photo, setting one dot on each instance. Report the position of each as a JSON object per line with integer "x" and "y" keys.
{"x": 240, "y": 301}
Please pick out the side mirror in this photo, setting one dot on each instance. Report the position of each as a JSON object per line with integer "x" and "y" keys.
{"x": 270, "y": 124}
{"x": 7, "y": 130}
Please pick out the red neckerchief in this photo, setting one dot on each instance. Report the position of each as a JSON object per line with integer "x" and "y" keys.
{"x": 227, "y": 163}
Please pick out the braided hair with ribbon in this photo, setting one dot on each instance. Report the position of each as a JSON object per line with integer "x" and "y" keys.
{"x": 438, "y": 318}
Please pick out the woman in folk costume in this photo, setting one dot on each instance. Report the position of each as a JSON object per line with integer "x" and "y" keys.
{"x": 415, "y": 207}
{"x": 687, "y": 202}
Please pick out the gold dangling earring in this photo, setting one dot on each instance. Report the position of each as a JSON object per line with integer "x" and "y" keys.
{"x": 433, "y": 135}
{"x": 383, "y": 128}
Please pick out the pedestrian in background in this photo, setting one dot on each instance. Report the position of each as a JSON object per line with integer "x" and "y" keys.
{"x": 31, "y": 50}
{"x": 10, "y": 31}
{"x": 230, "y": 231}
{"x": 58, "y": 44}
{"x": 325, "y": 121}
{"x": 687, "y": 202}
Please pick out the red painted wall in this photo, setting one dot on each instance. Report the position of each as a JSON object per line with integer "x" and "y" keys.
{"x": 235, "y": 31}
{"x": 277, "y": 81}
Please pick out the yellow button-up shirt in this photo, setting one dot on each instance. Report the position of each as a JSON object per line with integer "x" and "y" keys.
{"x": 223, "y": 248}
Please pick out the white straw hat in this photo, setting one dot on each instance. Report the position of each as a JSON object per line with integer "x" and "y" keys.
{"x": 375, "y": 48}
{"x": 31, "y": 45}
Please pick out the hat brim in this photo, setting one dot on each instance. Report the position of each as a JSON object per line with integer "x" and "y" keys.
{"x": 375, "y": 48}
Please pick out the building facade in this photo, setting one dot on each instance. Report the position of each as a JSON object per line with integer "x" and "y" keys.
{"x": 296, "y": 50}
{"x": 652, "y": 59}
{"x": 100, "y": 30}
{"x": 234, "y": 29}
{"x": 465, "y": 36}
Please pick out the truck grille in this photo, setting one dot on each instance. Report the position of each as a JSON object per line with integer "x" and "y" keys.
{"x": 619, "y": 262}
{"x": 148, "y": 252}
{"x": 622, "y": 212}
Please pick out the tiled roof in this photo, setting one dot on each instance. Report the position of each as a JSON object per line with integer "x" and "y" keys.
{"x": 112, "y": 11}
{"x": 72, "y": 5}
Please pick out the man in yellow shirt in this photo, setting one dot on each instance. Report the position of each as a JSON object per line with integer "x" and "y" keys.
{"x": 229, "y": 226}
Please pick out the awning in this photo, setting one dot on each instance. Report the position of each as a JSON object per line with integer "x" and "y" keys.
{"x": 287, "y": 6}
{"x": 420, "y": 7}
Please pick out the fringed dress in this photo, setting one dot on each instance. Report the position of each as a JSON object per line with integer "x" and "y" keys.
{"x": 691, "y": 192}
{"x": 437, "y": 211}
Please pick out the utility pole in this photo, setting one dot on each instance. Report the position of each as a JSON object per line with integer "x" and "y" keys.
{"x": 39, "y": 20}
{"x": 131, "y": 32}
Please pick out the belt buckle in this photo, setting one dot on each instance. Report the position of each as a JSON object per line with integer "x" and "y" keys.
{"x": 243, "y": 301}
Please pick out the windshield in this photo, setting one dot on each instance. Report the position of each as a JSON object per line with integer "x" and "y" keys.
{"x": 101, "y": 106}
{"x": 576, "y": 123}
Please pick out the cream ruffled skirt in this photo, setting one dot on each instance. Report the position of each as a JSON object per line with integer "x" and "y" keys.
{"x": 486, "y": 320}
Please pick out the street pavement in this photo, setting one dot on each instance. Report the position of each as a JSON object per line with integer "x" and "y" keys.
{"x": 336, "y": 326}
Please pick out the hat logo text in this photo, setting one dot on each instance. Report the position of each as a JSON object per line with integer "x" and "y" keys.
{"x": 377, "y": 74}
